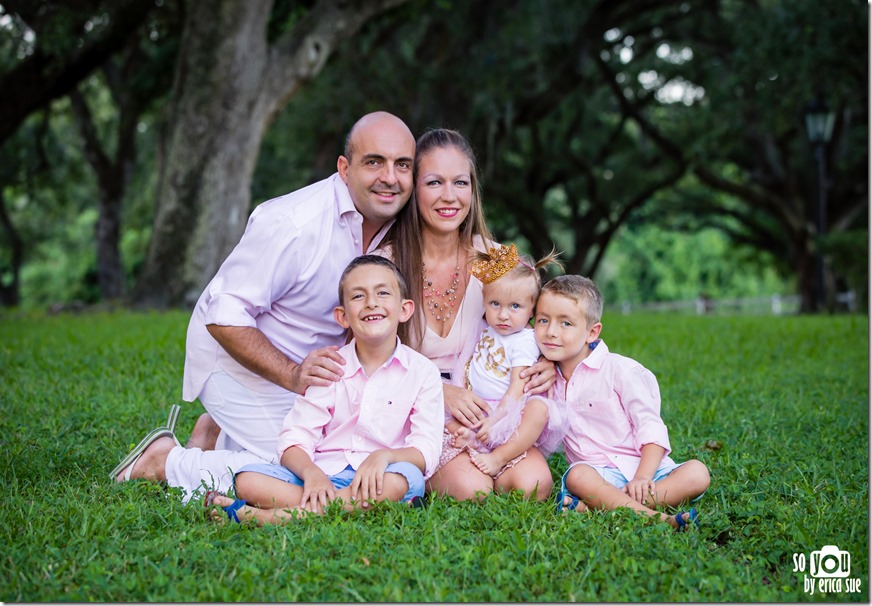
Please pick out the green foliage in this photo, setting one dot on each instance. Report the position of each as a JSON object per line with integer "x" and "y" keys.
{"x": 61, "y": 276}
{"x": 49, "y": 194}
{"x": 761, "y": 64}
{"x": 776, "y": 407}
{"x": 567, "y": 156}
{"x": 16, "y": 41}
{"x": 49, "y": 188}
{"x": 649, "y": 263}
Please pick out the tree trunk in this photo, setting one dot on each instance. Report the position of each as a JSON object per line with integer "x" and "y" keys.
{"x": 229, "y": 85}
{"x": 9, "y": 287}
{"x": 110, "y": 271}
{"x": 112, "y": 177}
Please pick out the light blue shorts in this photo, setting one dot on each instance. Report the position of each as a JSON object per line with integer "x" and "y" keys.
{"x": 613, "y": 476}
{"x": 413, "y": 476}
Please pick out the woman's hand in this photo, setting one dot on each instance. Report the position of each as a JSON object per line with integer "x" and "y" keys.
{"x": 542, "y": 376}
{"x": 465, "y": 406}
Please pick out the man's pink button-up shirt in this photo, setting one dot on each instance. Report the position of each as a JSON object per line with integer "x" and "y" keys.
{"x": 399, "y": 406}
{"x": 282, "y": 278}
{"x": 613, "y": 403}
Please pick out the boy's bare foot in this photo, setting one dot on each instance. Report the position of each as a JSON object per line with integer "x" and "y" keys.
{"x": 567, "y": 505}
{"x": 688, "y": 519}
{"x": 205, "y": 433}
{"x": 489, "y": 463}
{"x": 153, "y": 462}
{"x": 217, "y": 514}
{"x": 463, "y": 437}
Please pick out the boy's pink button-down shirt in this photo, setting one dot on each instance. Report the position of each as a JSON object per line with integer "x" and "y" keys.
{"x": 613, "y": 404}
{"x": 399, "y": 406}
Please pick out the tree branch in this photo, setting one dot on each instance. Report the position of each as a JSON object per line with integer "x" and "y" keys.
{"x": 300, "y": 54}
{"x": 93, "y": 149}
{"x": 44, "y": 76}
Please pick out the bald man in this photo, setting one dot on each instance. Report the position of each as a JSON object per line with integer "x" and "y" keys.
{"x": 263, "y": 329}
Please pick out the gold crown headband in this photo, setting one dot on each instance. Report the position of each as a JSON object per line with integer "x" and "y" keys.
{"x": 503, "y": 259}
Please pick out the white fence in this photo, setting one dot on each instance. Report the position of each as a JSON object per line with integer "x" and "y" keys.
{"x": 776, "y": 305}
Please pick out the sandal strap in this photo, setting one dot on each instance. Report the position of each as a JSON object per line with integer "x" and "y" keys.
{"x": 692, "y": 516}
{"x": 233, "y": 508}
{"x": 175, "y": 409}
{"x": 561, "y": 498}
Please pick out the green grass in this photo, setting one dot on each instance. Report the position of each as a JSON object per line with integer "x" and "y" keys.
{"x": 782, "y": 403}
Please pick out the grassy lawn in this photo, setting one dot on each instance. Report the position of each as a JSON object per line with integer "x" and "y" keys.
{"x": 777, "y": 407}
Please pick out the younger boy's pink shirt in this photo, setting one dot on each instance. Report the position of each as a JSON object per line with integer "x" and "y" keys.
{"x": 399, "y": 406}
{"x": 613, "y": 404}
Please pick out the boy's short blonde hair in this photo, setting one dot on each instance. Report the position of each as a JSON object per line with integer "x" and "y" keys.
{"x": 581, "y": 290}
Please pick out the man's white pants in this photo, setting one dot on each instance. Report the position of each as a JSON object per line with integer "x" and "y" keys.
{"x": 250, "y": 423}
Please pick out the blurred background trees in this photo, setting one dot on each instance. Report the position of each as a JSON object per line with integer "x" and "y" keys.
{"x": 660, "y": 144}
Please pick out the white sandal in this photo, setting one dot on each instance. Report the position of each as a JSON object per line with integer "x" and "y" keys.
{"x": 165, "y": 431}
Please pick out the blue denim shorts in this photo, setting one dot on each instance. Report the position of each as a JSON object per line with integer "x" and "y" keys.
{"x": 613, "y": 476}
{"x": 413, "y": 476}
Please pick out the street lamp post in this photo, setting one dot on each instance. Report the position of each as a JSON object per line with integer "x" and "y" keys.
{"x": 819, "y": 122}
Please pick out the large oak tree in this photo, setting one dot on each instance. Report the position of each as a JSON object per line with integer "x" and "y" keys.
{"x": 231, "y": 79}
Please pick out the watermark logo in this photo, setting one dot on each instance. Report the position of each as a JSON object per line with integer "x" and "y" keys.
{"x": 829, "y": 571}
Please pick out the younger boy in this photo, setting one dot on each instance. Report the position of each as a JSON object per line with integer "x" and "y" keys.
{"x": 374, "y": 435}
{"x": 616, "y": 444}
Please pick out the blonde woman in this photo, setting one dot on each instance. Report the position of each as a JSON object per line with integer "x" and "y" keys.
{"x": 433, "y": 242}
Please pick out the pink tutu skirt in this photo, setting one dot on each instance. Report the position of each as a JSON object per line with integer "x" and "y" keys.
{"x": 510, "y": 418}
{"x": 507, "y": 426}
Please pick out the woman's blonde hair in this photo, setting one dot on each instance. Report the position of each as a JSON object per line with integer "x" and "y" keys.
{"x": 405, "y": 234}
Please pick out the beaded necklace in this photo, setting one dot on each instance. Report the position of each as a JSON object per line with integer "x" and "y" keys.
{"x": 441, "y": 304}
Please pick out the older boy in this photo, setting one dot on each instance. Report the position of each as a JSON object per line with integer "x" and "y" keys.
{"x": 374, "y": 435}
{"x": 616, "y": 444}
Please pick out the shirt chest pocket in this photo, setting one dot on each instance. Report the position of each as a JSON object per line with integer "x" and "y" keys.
{"x": 602, "y": 421}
